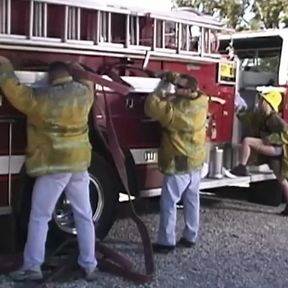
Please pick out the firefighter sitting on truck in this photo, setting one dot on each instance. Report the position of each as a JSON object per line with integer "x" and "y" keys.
{"x": 271, "y": 139}
{"x": 182, "y": 152}
{"x": 58, "y": 155}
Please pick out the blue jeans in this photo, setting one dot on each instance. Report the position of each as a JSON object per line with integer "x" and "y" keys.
{"x": 46, "y": 192}
{"x": 175, "y": 187}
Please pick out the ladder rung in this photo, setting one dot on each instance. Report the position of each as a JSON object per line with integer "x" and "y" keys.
{"x": 72, "y": 27}
{"x": 37, "y": 19}
{"x": 127, "y": 38}
{"x": 163, "y": 34}
{"x": 103, "y": 36}
{"x": 5, "y": 16}
{"x": 187, "y": 38}
{"x": 201, "y": 47}
{"x": 179, "y": 38}
{"x": 75, "y": 24}
{"x": 208, "y": 39}
{"x": 98, "y": 27}
{"x": 8, "y": 16}
{"x": 66, "y": 20}
{"x": 154, "y": 42}
{"x": 31, "y": 19}
{"x": 109, "y": 28}
{"x": 137, "y": 30}
{"x": 45, "y": 19}
{"x": 133, "y": 30}
{"x": 78, "y": 23}
{"x": 2, "y": 16}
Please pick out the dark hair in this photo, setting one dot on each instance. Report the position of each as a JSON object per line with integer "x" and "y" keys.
{"x": 57, "y": 70}
{"x": 187, "y": 82}
{"x": 58, "y": 67}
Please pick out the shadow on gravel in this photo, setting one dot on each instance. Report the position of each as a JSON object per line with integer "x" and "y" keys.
{"x": 142, "y": 206}
{"x": 232, "y": 206}
{"x": 120, "y": 242}
{"x": 265, "y": 194}
{"x": 124, "y": 246}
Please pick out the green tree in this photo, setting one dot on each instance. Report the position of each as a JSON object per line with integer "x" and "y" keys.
{"x": 272, "y": 13}
{"x": 267, "y": 13}
{"x": 232, "y": 11}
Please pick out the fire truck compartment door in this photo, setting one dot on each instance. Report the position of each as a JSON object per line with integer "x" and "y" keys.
{"x": 138, "y": 84}
{"x": 34, "y": 79}
{"x": 133, "y": 127}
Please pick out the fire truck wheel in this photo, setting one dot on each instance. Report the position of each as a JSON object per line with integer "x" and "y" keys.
{"x": 104, "y": 194}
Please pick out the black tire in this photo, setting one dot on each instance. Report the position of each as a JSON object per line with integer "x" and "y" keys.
{"x": 109, "y": 183}
{"x": 102, "y": 178}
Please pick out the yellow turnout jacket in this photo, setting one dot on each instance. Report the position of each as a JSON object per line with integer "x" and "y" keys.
{"x": 183, "y": 121}
{"x": 57, "y": 119}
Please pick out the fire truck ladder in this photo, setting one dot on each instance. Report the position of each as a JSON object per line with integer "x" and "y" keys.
{"x": 91, "y": 27}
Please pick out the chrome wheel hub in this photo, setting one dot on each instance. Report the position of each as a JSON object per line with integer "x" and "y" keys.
{"x": 63, "y": 215}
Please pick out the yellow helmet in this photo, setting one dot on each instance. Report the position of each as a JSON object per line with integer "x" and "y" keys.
{"x": 274, "y": 98}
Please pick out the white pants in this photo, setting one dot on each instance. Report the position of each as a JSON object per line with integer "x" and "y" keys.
{"x": 46, "y": 192}
{"x": 175, "y": 187}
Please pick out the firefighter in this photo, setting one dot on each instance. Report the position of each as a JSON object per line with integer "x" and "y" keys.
{"x": 58, "y": 155}
{"x": 182, "y": 153}
{"x": 272, "y": 140}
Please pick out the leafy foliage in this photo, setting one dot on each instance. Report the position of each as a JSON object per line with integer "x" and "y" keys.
{"x": 267, "y": 14}
{"x": 271, "y": 13}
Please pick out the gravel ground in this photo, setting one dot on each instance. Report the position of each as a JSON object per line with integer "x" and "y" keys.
{"x": 240, "y": 245}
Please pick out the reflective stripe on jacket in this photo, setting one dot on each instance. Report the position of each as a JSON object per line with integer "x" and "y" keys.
{"x": 57, "y": 118}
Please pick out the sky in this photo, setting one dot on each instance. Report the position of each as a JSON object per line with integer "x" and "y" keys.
{"x": 152, "y": 4}
{"x": 158, "y": 5}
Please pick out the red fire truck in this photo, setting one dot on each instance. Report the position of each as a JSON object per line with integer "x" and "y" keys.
{"x": 123, "y": 44}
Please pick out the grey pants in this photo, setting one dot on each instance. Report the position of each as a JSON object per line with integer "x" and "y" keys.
{"x": 46, "y": 192}
{"x": 175, "y": 187}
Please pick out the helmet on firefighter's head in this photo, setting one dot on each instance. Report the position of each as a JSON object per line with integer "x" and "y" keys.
{"x": 273, "y": 98}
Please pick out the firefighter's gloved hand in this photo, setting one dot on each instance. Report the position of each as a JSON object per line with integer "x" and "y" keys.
{"x": 163, "y": 88}
{"x": 4, "y": 60}
{"x": 77, "y": 71}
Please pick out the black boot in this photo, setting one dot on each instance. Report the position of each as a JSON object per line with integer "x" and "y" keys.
{"x": 183, "y": 242}
{"x": 240, "y": 170}
{"x": 285, "y": 211}
{"x": 164, "y": 249}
